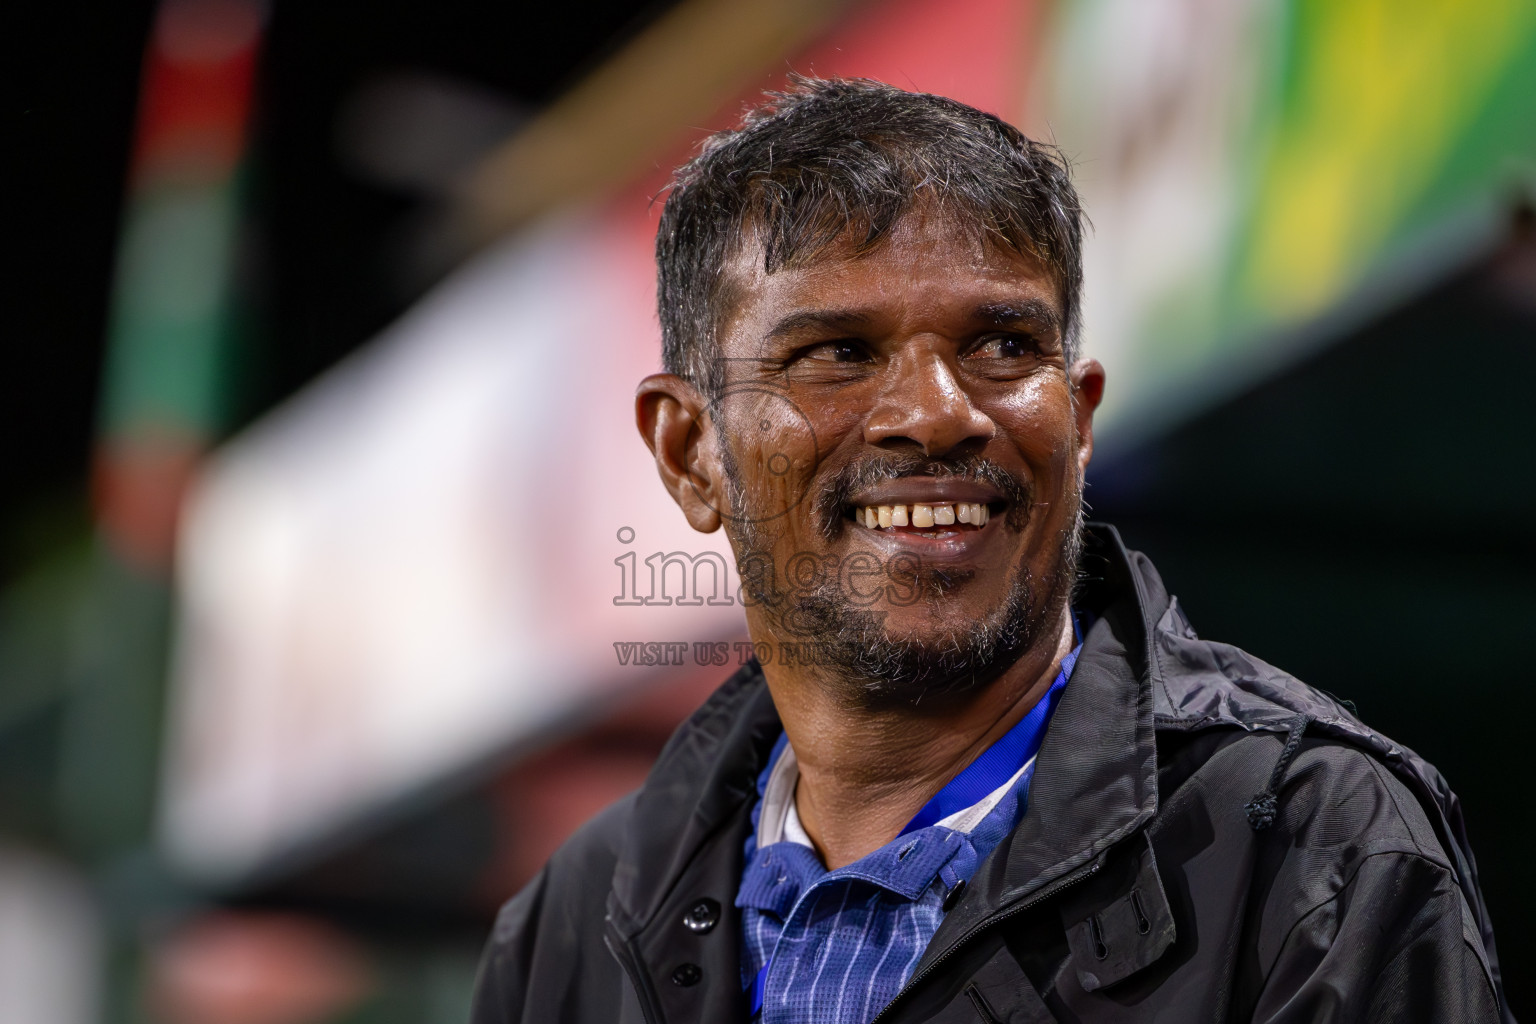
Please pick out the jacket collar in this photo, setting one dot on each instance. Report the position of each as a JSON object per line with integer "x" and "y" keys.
{"x": 1095, "y": 779}
{"x": 704, "y": 774}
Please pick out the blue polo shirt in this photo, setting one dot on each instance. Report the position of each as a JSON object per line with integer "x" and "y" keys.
{"x": 834, "y": 947}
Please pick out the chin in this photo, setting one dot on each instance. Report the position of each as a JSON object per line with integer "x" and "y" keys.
{"x": 928, "y": 654}
{"x": 937, "y": 621}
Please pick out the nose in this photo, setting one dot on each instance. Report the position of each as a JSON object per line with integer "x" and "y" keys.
{"x": 922, "y": 402}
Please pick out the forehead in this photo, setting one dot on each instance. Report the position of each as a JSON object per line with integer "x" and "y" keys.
{"x": 927, "y": 265}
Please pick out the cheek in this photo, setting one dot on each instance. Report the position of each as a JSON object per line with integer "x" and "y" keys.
{"x": 1036, "y": 418}
{"x": 780, "y": 437}
{"x": 774, "y": 447}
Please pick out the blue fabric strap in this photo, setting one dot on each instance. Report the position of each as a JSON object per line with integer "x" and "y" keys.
{"x": 756, "y": 989}
{"x": 999, "y": 762}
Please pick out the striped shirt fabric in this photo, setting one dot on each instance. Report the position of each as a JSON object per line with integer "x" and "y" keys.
{"x": 834, "y": 947}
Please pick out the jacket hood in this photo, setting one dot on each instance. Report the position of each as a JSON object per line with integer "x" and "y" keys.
{"x": 1199, "y": 684}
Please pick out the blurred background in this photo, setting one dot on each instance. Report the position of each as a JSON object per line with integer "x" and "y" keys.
{"x": 316, "y": 615}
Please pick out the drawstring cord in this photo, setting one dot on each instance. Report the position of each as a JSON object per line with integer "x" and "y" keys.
{"x": 1265, "y": 804}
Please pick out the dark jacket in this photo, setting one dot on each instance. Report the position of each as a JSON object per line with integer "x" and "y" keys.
{"x": 1207, "y": 839}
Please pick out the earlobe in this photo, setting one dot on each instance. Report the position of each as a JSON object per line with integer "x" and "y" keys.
{"x": 673, "y": 421}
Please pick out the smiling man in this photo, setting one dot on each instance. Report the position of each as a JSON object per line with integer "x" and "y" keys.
{"x": 986, "y": 770}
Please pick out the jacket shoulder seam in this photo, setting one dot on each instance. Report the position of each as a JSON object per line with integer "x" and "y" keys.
{"x": 1354, "y": 875}
{"x": 1407, "y": 821}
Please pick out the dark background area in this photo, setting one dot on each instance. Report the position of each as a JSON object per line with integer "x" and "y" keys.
{"x": 72, "y": 77}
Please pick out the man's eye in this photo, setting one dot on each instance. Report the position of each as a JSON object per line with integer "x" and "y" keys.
{"x": 1003, "y": 346}
{"x": 837, "y": 352}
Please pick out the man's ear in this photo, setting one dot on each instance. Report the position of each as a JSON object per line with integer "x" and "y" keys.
{"x": 674, "y": 421}
{"x": 1087, "y": 377}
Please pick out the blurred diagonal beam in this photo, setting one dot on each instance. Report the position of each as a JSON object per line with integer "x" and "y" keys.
{"x": 676, "y": 73}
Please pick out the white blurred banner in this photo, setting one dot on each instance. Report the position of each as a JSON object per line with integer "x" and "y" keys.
{"x": 413, "y": 564}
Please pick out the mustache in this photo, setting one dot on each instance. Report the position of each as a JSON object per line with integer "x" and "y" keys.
{"x": 837, "y": 494}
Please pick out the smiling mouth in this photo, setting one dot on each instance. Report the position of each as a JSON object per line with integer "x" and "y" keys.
{"x": 932, "y": 518}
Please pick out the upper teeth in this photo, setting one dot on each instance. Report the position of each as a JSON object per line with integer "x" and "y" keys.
{"x": 883, "y": 517}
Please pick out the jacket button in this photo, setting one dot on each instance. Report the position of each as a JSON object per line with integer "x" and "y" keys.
{"x": 954, "y": 896}
{"x": 687, "y": 975}
{"x": 702, "y": 916}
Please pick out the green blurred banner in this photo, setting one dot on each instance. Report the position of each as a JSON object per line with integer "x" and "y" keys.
{"x": 1249, "y": 166}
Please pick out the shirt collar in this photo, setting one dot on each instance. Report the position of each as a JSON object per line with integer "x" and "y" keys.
{"x": 777, "y": 787}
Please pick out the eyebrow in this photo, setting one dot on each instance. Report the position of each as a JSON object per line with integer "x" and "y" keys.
{"x": 1031, "y": 313}
{"x": 818, "y": 319}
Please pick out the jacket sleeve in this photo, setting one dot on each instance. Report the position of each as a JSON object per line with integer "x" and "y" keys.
{"x": 546, "y": 961}
{"x": 501, "y": 988}
{"x": 1395, "y": 943}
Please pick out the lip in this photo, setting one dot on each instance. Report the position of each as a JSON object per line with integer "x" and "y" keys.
{"x": 927, "y": 490}
{"x": 945, "y": 545}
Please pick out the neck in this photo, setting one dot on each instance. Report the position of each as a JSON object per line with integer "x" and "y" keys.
{"x": 865, "y": 773}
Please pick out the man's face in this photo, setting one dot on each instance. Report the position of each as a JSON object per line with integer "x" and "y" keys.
{"x": 926, "y": 379}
